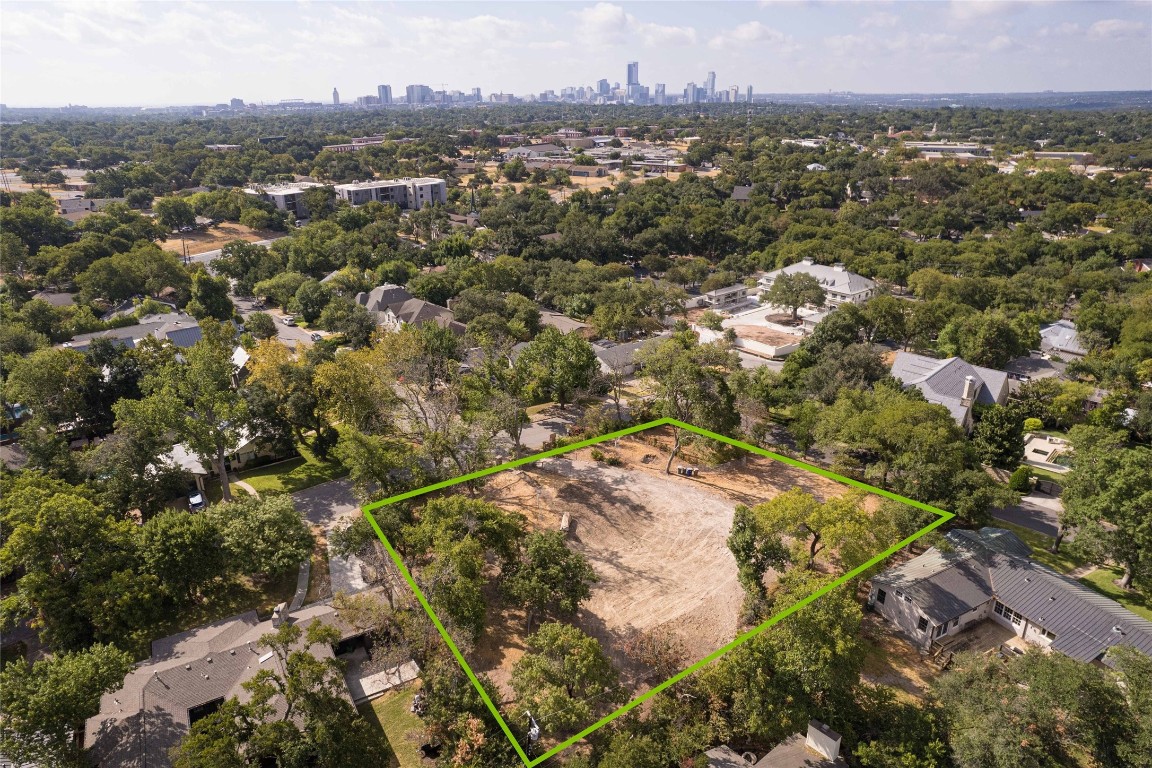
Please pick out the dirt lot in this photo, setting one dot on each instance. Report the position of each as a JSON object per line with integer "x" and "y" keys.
{"x": 216, "y": 237}
{"x": 656, "y": 541}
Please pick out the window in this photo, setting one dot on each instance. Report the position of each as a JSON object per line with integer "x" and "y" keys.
{"x": 940, "y": 630}
{"x": 999, "y": 608}
{"x": 922, "y": 624}
{"x": 880, "y": 595}
{"x": 955, "y": 622}
{"x": 1047, "y": 634}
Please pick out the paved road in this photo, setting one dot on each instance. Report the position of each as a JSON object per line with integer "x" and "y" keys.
{"x": 290, "y": 336}
{"x": 1036, "y": 511}
{"x": 327, "y": 505}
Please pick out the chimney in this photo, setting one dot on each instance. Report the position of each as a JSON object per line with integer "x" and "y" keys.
{"x": 823, "y": 740}
{"x": 969, "y": 388}
{"x": 279, "y": 613}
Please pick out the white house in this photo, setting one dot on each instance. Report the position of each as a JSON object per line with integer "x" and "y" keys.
{"x": 840, "y": 286}
{"x": 989, "y": 575}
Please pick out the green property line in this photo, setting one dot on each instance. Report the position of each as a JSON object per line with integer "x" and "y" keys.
{"x": 740, "y": 640}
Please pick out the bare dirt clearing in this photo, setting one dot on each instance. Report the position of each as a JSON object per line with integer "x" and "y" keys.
{"x": 658, "y": 543}
{"x": 216, "y": 237}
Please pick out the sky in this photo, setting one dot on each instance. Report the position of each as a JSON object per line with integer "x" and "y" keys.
{"x": 163, "y": 53}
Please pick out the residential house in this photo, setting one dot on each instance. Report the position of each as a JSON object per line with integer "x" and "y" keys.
{"x": 176, "y": 327}
{"x": 88, "y": 204}
{"x": 840, "y": 286}
{"x": 729, "y": 296}
{"x": 55, "y": 299}
{"x": 395, "y": 307}
{"x": 952, "y": 383}
{"x": 818, "y": 748}
{"x": 1061, "y": 338}
{"x": 815, "y": 167}
{"x": 561, "y": 322}
{"x": 188, "y": 676}
{"x": 620, "y": 359}
{"x": 989, "y": 575}
{"x": 741, "y": 194}
{"x": 250, "y": 448}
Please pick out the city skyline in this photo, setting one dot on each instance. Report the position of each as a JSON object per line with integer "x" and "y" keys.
{"x": 302, "y": 50}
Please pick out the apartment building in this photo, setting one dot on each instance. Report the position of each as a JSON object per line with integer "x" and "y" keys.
{"x": 286, "y": 197}
{"x": 407, "y": 194}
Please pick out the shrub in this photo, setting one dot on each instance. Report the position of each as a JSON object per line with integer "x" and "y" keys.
{"x": 1033, "y": 425}
{"x": 597, "y": 454}
{"x": 1021, "y": 480}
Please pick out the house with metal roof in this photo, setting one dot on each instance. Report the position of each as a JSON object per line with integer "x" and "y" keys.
{"x": 177, "y": 327}
{"x": 840, "y": 286}
{"x": 1061, "y": 338}
{"x": 952, "y": 383}
{"x": 989, "y": 575}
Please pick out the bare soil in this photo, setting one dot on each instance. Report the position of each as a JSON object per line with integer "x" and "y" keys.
{"x": 216, "y": 237}
{"x": 656, "y": 541}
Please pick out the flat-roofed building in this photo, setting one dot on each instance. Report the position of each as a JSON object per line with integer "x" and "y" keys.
{"x": 286, "y": 197}
{"x": 408, "y": 194}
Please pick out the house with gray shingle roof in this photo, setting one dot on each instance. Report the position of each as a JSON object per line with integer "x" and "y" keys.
{"x": 952, "y": 383}
{"x": 989, "y": 575}
{"x": 394, "y": 307}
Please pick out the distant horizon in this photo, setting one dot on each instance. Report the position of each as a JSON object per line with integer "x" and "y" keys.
{"x": 164, "y": 54}
{"x": 401, "y": 105}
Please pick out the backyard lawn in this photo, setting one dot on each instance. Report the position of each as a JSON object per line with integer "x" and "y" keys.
{"x": 1062, "y": 562}
{"x": 292, "y": 475}
{"x": 1103, "y": 581}
{"x": 393, "y": 713}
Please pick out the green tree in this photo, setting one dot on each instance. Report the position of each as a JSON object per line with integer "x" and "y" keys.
{"x": 999, "y": 436}
{"x": 184, "y": 551}
{"x": 563, "y": 678}
{"x": 1037, "y": 709}
{"x": 311, "y": 298}
{"x": 264, "y": 536}
{"x": 795, "y": 290}
{"x": 46, "y": 703}
{"x": 755, "y": 552}
{"x": 1106, "y": 498}
{"x": 261, "y": 325}
{"x": 549, "y": 577}
{"x": 558, "y": 365}
{"x": 690, "y": 384}
{"x": 210, "y": 297}
{"x": 173, "y": 213}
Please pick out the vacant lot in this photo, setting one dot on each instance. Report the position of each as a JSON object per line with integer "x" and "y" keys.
{"x": 656, "y": 541}
{"x": 216, "y": 237}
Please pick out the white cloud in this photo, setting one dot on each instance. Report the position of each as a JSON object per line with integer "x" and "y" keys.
{"x": 1001, "y": 43}
{"x": 880, "y": 19}
{"x": 612, "y": 25}
{"x": 748, "y": 33}
{"x": 1115, "y": 29}
{"x": 1064, "y": 29}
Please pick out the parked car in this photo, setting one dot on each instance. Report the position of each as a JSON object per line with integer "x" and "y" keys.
{"x": 289, "y": 321}
{"x": 317, "y": 337}
{"x": 196, "y": 502}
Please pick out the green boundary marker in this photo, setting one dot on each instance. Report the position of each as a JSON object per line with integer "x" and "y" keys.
{"x": 530, "y": 762}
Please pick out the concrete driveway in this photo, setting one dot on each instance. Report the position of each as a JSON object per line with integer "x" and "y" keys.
{"x": 1037, "y": 512}
{"x": 326, "y": 506}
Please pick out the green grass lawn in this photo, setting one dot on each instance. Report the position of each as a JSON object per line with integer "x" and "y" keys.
{"x": 392, "y": 712}
{"x": 296, "y": 474}
{"x": 1062, "y": 562}
{"x": 1102, "y": 580}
